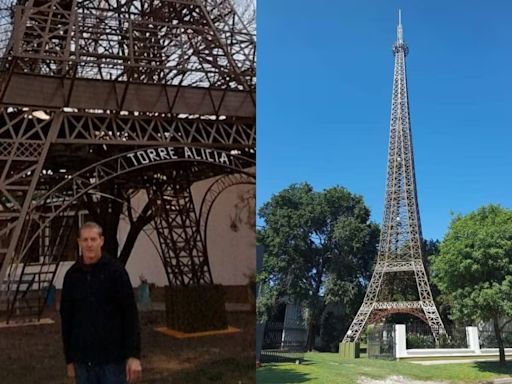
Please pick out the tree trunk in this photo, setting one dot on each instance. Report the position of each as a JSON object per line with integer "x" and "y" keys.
{"x": 129, "y": 243}
{"x": 136, "y": 226}
{"x": 499, "y": 339}
{"x": 111, "y": 215}
{"x": 311, "y": 336}
{"x": 110, "y": 226}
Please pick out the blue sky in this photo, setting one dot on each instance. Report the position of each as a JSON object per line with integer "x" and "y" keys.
{"x": 325, "y": 72}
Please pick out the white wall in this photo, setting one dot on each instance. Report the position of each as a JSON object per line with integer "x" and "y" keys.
{"x": 473, "y": 350}
{"x": 232, "y": 254}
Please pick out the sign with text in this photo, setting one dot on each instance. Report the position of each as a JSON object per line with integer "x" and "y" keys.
{"x": 158, "y": 154}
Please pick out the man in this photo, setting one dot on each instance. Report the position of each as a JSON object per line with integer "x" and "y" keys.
{"x": 100, "y": 327}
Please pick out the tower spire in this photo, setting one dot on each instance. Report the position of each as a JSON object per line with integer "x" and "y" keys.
{"x": 399, "y": 29}
{"x": 400, "y": 45}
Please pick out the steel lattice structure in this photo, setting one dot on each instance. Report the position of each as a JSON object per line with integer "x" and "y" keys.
{"x": 177, "y": 228}
{"x": 84, "y": 83}
{"x": 400, "y": 245}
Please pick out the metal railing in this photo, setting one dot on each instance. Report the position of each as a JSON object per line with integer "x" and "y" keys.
{"x": 488, "y": 338}
{"x": 283, "y": 342}
{"x": 381, "y": 341}
{"x": 419, "y": 336}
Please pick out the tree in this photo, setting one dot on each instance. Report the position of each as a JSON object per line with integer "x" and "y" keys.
{"x": 247, "y": 11}
{"x": 430, "y": 248}
{"x": 474, "y": 268}
{"x": 106, "y": 209}
{"x": 319, "y": 247}
{"x": 245, "y": 211}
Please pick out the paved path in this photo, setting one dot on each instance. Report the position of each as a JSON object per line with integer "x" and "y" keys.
{"x": 404, "y": 380}
{"x": 461, "y": 361}
{"x": 396, "y": 380}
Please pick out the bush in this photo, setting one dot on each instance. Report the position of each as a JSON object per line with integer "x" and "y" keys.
{"x": 420, "y": 342}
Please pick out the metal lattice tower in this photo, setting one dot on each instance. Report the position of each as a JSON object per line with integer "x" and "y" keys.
{"x": 84, "y": 86}
{"x": 399, "y": 261}
{"x": 177, "y": 227}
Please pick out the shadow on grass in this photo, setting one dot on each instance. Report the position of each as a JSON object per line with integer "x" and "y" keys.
{"x": 494, "y": 367}
{"x": 279, "y": 374}
{"x": 277, "y": 363}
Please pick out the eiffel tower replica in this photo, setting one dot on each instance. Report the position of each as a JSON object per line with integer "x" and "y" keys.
{"x": 399, "y": 283}
{"x": 133, "y": 95}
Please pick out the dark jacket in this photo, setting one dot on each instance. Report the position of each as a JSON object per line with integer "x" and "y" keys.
{"x": 99, "y": 314}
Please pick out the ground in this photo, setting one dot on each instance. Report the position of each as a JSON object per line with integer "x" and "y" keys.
{"x": 33, "y": 354}
{"x": 395, "y": 380}
{"x": 320, "y": 368}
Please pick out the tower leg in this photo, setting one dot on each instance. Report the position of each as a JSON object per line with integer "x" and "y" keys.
{"x": 40, "y": 255}
{"x": 359, "y": 322}
{"x": 427, "y": 303}
{"x": 193, "y": 302}
{"x": 23, "y": 151}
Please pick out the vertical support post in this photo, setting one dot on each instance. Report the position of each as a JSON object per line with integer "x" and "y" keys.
{"x": 400, "y": 341}
{"x": 350, "y": 350}
{"x": 473, "y": 339}
{"x": 193, "y": 302}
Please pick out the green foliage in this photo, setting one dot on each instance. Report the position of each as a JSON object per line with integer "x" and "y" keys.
{"x": 319, "y": 248}
{"x": 474, "y": 267}
{"x": 420, "y": 342}
{"x": 330, "y": 332}
{"x": 266, "y": 302}
{"x": 430, "y": 249}
{"x": 368, "y": 330}
{"x": 488, "y": 339}
{"x": 475, "y": 264}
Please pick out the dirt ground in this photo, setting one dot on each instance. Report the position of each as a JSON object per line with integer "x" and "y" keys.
{"x": 33, "y": 354}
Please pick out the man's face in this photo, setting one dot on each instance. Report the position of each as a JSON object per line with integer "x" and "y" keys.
{"x": 90, "y": 243}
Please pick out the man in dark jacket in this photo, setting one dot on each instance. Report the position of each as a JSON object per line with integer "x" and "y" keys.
{"x": 100, "y": 327}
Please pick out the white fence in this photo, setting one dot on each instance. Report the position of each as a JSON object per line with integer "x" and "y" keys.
{"x": 472, "y": 352}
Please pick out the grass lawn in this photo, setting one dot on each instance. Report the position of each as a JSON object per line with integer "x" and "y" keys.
{"x": 329, "y": 368}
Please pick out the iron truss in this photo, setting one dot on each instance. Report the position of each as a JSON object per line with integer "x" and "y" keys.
{"x": 57, "y": 206}
{"x": 21, "y": 131}
{"x": 61, "y": 198}
{"x": 160, "y": 56}
{"x": 400, "y": 239}
{"x": 120, "y": 76}
{"x": 177, "y": 227}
